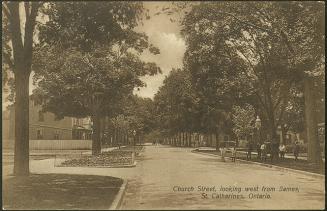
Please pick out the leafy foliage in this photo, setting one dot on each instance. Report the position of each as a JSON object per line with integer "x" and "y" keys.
{"x": 176, "y": 103}
{"x": 84, "y": 24}
{"x": 252, "y": 53}
{"x": 90, "y": 63}
{"x": 243, "y": 119}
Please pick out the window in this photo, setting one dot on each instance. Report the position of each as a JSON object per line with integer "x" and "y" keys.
{"x": 41, "y": 116}
{"x": 39, "y": 134}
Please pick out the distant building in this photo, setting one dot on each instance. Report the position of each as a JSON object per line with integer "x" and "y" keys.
{"x": 46, "y": 126}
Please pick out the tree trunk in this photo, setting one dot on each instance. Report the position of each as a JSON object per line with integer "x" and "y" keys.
{"x": 217, "y": 141}
{"x": 101, "y": 129}
{"x": 96, "y": 142}
{"x": 22, "y": 53}
{"x": 283, "y": 134}
{"x": 273, "y": 133}
{"x": 179, "y": 139}
{"x": 198, "y": 139}
{"x": 119, "y": 137}
{"x": 210, "y": 139}
{"x": 114, "y": 137}
{"x": 21, "y": 157}
{"x": 189, "y": 140}
{"x": 183, "y": 139}
{"x": 188, "y": 136}
{"x": 314, "y": 155}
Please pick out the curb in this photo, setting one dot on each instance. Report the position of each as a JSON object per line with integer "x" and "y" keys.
{"x": 122, "y": 166}
{"x": 315, "y": 175}
{"x": 115, "y": 205}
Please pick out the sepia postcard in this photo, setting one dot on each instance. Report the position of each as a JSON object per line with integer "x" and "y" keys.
{"x": 163, "y": 105}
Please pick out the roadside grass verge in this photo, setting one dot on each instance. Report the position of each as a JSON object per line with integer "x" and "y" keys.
{"x": 59, "y": 191}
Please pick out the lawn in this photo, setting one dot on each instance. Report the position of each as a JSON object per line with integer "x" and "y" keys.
{"x": 286, "y": 162}
{"x": 59, "y": 191}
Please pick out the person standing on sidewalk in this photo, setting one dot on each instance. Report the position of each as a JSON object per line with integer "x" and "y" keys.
{"x": 259, "y": 151}
{"x": 222, "y": 152}
{"x": 282, "y": 150}
{"x": 263, "y": 149}
{"x": 234, "y": 154}
{"x": 248, "y": 155}
{"x": 296, "y": 150}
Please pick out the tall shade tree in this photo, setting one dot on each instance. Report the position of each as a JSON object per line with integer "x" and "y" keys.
{"x": 17, "y": 54}
{"x": 261, "y": 49}
{"x": 92, "y": 61}
{"x": 176, "y": 105}
{"x": 140, "y": 112}
{"x": 303, "y": 24}
{"x": 243, "y": 119}
{"x": 80, "y": 85}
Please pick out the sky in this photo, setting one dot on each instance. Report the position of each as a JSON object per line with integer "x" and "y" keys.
{"x": 165, "y": 35}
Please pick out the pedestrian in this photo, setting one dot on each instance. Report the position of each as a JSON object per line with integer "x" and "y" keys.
{"x": 259, "y": 151}
{"x": 234, "y": 154}
{"x": 282, "y": 150}
{"x": 248, "y": 155}
{"x": 222, "y": 152}
{"x": 263, "y": 152}
{"x": 296, "y": 150}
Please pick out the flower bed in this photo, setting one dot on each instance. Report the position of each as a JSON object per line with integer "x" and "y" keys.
{"x": 106, "y": 159}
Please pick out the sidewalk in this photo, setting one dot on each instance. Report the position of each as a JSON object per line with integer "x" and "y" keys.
{"x": 254, "y": 153}
{"x": 288, "y": 163}
{"x": 59, "y": 152}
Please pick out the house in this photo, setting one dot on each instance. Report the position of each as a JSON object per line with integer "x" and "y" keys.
{"x": 47, "y": 126}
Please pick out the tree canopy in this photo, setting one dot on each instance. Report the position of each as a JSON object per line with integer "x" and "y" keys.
{"x": 86, "y": 66}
